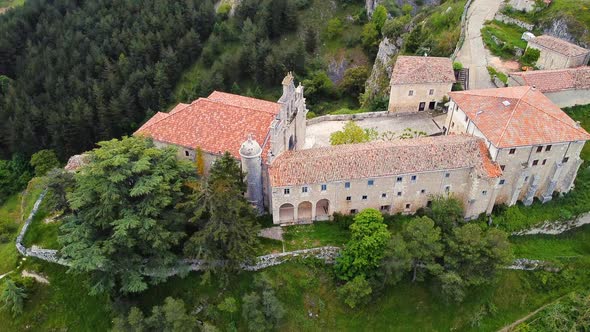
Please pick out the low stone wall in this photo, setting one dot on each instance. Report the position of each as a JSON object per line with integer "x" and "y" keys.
{"x": 463, "y": 28}
{"x": 365, "y": 115}
{"x": 510, "y": 20}
{"x": 19, "y": 239}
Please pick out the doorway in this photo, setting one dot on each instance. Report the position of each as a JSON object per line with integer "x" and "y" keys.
{"x": 422, "y": 106}
{"x": 432, "y": 105}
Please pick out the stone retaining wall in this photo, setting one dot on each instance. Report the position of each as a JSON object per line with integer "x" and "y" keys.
{"x": 463, "y": 28}
{"x": 511, "y": 20}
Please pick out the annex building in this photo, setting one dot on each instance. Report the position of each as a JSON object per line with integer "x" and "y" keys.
{"x": 557, "y": 53}
{"x": 501, "y": 146}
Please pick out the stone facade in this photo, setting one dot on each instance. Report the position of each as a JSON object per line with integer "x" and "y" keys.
{"x": 529, "y": 171}
{"x": 558, "y": 57}
{"x": 417, "y": 97}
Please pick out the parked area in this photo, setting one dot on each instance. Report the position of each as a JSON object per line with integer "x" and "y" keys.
{"x": 318, "y": 134}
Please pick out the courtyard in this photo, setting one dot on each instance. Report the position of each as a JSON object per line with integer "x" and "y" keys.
{"x": 318, "y": 134}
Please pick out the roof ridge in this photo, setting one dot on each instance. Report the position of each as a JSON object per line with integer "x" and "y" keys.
{"x": 233, "y": 94}
{"x": 157, "y": 121}
{"x": 243, "y": 107}
{"x": 511, "y": 117}
{"x": 579, "y": 129}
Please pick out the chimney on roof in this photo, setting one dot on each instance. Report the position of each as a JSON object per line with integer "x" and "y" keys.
{"x": 578, "y": 124}
{"x": 534, "y": 87}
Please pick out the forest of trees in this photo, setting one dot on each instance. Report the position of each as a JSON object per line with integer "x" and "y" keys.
{"x": 77, "y": 72}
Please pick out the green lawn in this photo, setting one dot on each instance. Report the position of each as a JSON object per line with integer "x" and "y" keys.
{"x": 570, "y": 246}
{"x": 64, "y": 305}
{"x": 42, "y": 233}
{"x": 9, "y": 219}
{"x": 509, "y": 34}
{"x": 317, "y": 235}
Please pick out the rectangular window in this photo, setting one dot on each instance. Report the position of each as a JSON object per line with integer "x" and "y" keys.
{"x": 502, "y": 167}
{"x": 385, "y": 208}
{"x": 353, "y": 211}
{"x": 548, "y": 148}
{"x": 503, "y": 181}
{"x": 186, "y": 153}
{"x": 399, "y": 193}
{"x": 303, "y": 189}
{"x": 408, "y": 206}
{"x": 371, "y": 182}
{"x": 324, "y": 187}
{"x": 384, "y": 195}
{"x": 466, "y": 118}
{"x": 539, "y": 149}
{"x": 287, "y": 191}
{"x": 399, "y": 179}
{"x": 365, "y": 197}
{"x": 347, "y": 185}
{"x": 423, "y": 191}
{"x": 535, "y": 162}
{"x": 544, "y": 162}
{"x": 431, "y": 92}
{"x": 447, "y": 175}
{"x": 414, "y": 177}
{"x": 429, "y": 204}
{"x": 512, "y": 151}
{"x": 447, "y": 189}
{"x": 566, "y": 159}
{"x": 485, "y": 192}
{"x": 349, "y": 198}
{"x": 411, "y": 93}
{"x": 526, "y": 179}
{"x": 453, "y": 124}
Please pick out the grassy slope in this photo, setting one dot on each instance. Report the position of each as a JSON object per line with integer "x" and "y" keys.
{"x": 508, "y": 33}
{"x": 62, "y": 305}
{"x": 11, "y": 3}
{"x": 10, "y": 213}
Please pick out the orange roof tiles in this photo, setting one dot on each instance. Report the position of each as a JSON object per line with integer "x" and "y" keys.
{"x": 556, "y": 80}
{"x": 422, "y": 69}
{"x": 215, "y": 126}
{"x": 245, "y": 102}
{"x": 518, "y": 116}
{"x": 378, "y": 159}
{"x": 559, "y": 45}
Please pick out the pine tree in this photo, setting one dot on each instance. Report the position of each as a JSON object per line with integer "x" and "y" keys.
{"x": 13, "y": 297}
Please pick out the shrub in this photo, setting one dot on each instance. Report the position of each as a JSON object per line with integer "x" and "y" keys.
{"x": 356, "y": 291}
{"x": 530, "y": 57}
{"x": 457, "y": 65}
{"x": 335, "y": 28}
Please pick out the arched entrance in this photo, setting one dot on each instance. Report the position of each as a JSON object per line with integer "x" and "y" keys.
{"x": 322, "y": 210}
{"x": 304, "y": 211}
{"x": 287, "y": 213}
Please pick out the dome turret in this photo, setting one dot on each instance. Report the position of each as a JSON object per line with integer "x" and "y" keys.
{"x": 250, "y": 148}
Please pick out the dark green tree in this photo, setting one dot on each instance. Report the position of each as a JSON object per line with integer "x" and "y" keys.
{"x": 227, "y": 231}
{"x": 125, "y": 224}
{"x": 43, "y": 161}
{"x": 13, "y": 297}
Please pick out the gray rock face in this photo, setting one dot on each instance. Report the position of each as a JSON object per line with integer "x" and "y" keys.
{"x": 370, "y": 5}
{"x": 378, "y": 82}
{"x": 560, "y": 28}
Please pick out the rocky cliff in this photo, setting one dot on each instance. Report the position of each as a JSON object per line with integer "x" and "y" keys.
{"x": 371, "y": 4}
{"x": 378, "y": 82}
{"x": 568, "y": 29}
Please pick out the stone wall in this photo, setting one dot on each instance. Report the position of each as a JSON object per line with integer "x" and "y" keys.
{"x": 463, "y": 28}
{"x": 510, "y": 20}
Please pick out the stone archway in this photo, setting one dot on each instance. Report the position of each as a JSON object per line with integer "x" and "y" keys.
{"x": 304, "y": 211}
{"x": 322, "y": 209}
{"x": 287, "y": 213}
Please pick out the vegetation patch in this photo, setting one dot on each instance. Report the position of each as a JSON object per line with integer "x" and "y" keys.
{"x": 502, "y": 39}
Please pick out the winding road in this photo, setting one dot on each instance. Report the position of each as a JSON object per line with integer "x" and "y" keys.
{"x": 473, "y": 54}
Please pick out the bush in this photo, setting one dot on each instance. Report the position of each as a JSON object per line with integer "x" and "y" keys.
{"x": 356, "y": 291}
{"x": 457, "y": 65}
{"x": 335, "y": 28}
{"x": 530, "y": 57}
{"x": 302, "y": 4}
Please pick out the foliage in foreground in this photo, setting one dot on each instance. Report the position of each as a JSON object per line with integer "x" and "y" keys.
{"x": 13, "y": 297}
{"x": 171, "y": 316}
{"x": 125, "y": 221}
{"x": 569, "y": 314}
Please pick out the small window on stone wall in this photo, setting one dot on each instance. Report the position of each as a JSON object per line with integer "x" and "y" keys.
{"x": 411, "y": 93}
{"x": 186, "y": 153}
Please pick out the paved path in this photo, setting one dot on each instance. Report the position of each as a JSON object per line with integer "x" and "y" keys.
{"x": 318, "y": 135}
{"x": 473, "y": 54}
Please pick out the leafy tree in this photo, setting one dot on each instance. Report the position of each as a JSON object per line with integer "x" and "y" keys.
{"x": 354, "y": 80}
{"x": 423, "y": 243}
{"x": 59, "y": 183}
{"x": 43, "y": 161}
{"x": 407, "y": 9}
{"x": 370, "y": 37}
{"x": 228, "y": 305}
{"x": 379, "y": 17}
{"x": 172, "y": 316}
{"x": 125, "y": 222}
{"x": 353, "y": 133}
{"x": 446, "y": 212}
{"x": 14, "y": 175}
{"x": 318, "y": 85}
{"x": 395, "y": 27}
{"x": 200, "y": 162}
{"x": 334, "y": 28}
{"x": 366, "y": 248}
{"x": 226, "y": 220}
{"x": 474, "y": 255}
{"x": 262, "y": 309}
{"x": 356, "y": 291}
{"x": 310, "y": 39}
{"x": 410, "y": 133}
{"x": 396, "y": 261}
{"x": 13, "y": 297}
{"x": 530, "y": 57}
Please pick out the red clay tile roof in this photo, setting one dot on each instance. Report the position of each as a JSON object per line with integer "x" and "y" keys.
{"x": 559, "y": 45}
{"x": 245, "y": 102}
{"x": 556, "y": 80}
{"x": 214, "y": 126}
{"x": 378, "y": 159}
{"x": 178, "y": 107}
{"x": 422, "y": 69}
{"x": 530, "y": 118}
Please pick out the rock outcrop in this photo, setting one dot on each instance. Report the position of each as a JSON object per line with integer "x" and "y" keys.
{"x": 571, "y": 31}
{"x": 378, "y": 82}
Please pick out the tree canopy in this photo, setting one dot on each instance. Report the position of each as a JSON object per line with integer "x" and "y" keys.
{"x": 353, "y": 133}
{"x": 125, "y": 221}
